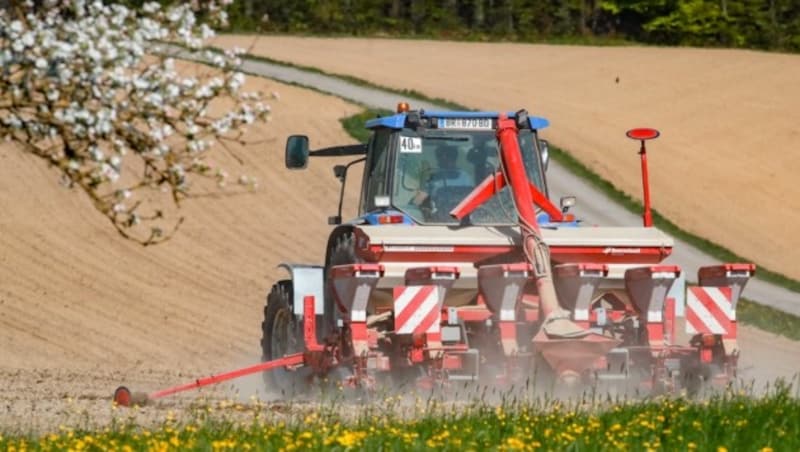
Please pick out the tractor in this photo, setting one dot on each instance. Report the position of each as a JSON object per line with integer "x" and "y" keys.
{"x": 459, "y": 268}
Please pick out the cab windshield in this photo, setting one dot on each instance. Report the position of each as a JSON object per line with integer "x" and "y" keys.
{"x": 436, "y": 170}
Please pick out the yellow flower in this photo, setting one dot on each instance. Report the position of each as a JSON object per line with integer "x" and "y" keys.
{"x": 722, "y": 449}
{"x": 350, "y": 439}
{"x": 515, "y": 444}
{"x": 766, "y": 449}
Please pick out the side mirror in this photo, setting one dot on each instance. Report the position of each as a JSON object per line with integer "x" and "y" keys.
{"x": 297, "y": 152}
{"x": 544, "y": 151}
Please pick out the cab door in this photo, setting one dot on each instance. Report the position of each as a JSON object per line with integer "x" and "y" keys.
{"x": 377, "y": 170}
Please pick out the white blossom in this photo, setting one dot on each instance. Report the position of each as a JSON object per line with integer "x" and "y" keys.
{"x": 15, "y": 28}
{"x": 85, "y": 72}
{"x": 236, "y": 81}
{"x": 151, "y": 7}
{"x": 96, "y": 153}
{"x": 115, "y": 161}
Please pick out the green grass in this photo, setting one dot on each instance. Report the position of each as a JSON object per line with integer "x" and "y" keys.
{"x": 354, "y": 125}
{"x": 768, "y": 319}
{"x": 730, "y": 421}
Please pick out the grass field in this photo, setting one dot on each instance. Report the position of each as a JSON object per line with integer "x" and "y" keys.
{"x": 729, "y": 421}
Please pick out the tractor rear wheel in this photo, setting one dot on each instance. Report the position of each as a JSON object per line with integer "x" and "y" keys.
{"x": 282, "y": 334}
{"x": 342, "y": 252}
{"x": 697, "y": 379}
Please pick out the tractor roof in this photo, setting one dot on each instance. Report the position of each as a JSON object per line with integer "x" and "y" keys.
{"x": 432, "y": 119}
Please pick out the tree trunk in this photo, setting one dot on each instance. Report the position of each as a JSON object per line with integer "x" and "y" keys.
{"x": 478, "y": 15}
{"x": 582, "y": 24}
{"x": 395, "y": 10}
{"x": 417, "y": 15}
{"x": 509, "y": 19}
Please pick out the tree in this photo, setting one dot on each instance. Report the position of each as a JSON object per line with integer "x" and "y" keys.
{"x": 83, "y": 88}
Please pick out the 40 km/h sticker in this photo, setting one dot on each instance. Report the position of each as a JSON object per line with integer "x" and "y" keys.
{"x": 411, "y": 144}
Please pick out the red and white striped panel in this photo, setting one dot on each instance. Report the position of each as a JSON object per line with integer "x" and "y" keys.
{"x": 416, "y": 309}
{"x": 709, "y": 310}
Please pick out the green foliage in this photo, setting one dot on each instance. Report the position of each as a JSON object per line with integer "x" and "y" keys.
{"x": 772, "y": 24}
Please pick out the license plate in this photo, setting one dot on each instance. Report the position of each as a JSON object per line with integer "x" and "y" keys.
{"x": 465, "y": 123}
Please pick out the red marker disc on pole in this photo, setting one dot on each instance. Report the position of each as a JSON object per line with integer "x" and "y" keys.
{"x": 643, "y": 133}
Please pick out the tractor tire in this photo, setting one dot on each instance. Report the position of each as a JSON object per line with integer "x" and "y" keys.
{"x": 342, "y": 252}
{"x": 282, "y": 334}
{"x": 697, "y": 380}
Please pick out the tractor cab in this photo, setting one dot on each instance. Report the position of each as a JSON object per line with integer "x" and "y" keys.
{"x": 419, "y": 165}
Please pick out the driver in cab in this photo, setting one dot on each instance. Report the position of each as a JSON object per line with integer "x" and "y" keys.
{"x": 448, "y": 174}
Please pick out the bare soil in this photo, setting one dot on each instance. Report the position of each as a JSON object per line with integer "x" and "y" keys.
{"x": 724, "y": 167}
{"x": 82, "y": 310}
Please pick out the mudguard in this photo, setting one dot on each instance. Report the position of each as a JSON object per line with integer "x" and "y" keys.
{"x": 307, "y": 280}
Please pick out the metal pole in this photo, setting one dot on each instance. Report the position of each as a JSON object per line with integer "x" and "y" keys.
{"x": 647, "y": 217}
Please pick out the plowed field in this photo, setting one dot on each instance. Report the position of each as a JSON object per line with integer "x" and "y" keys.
{"x": 724, "y": 168}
